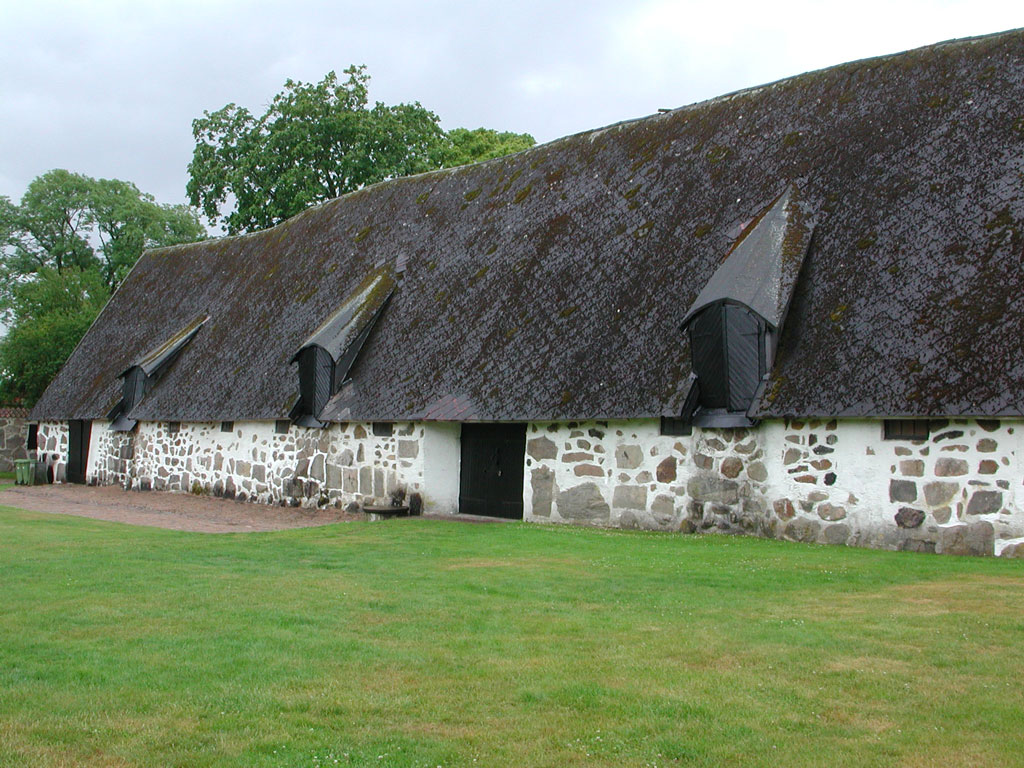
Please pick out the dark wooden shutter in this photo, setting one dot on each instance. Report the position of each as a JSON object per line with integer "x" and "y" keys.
{"x": 708, "y": 350}
{"x": 743, "y": 340}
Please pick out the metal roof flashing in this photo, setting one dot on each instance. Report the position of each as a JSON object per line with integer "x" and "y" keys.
{"x": 350, "y": 322}
{"x": 761, "y": 269}
{"x": 164, "y": 354}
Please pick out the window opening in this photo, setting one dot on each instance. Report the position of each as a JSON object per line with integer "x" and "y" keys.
{"x": 906, "y": 429}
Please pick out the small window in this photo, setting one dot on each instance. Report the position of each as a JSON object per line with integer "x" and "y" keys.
{"x": 383, "y": 428}
{"x": 281, "y": 426}
{"x": 173, "y": 427}
{"x": 33, "y": 437}
{"x": 227, "y": 426}
{"x": 906, "y": 429}
{"x": 675, "y": 426}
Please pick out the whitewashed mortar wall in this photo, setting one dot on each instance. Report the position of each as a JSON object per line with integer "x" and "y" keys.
{"x": 52, "y": 448}
{"x": 961, "y": 491}
{"x": 308, "y": 467}
{"x": 958, "y": 492}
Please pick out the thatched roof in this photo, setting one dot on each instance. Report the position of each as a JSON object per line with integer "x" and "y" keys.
{"x": 552, "y": 284}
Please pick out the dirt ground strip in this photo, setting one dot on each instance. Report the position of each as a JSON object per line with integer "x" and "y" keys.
{"x": 178, "y": 511}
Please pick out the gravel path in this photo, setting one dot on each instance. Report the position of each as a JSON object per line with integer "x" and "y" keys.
{"x": 178, "y": 511}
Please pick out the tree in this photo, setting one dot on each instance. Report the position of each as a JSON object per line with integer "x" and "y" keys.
{"x": 316, "y": 142}
{"x": 51, "y": 314}
{"x": 472, "y": 146}
{"x": 64, "y": 249}
{"x": 313, "y": 143}
{"x": 71, "y": 221}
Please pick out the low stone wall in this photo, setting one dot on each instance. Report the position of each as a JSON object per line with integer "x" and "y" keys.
{"x": 835, "y": 482}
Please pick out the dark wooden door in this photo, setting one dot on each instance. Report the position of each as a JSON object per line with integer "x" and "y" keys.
{"x": 78, "y": 449}
{"x": 491, "y": 481}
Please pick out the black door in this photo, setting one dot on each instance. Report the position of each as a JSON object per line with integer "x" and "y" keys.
{"x": 78, "y": 449}
{"x": 491, "y": 480}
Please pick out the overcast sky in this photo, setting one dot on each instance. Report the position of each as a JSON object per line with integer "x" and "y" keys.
{"x": 110, "y": 89}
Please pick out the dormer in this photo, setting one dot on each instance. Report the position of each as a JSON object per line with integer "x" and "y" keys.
{"x": 327, "y": 356}
{"x": 138, "y": 379}
{"x": 735, "y": 321}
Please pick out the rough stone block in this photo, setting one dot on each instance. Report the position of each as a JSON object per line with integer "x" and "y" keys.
{"x": 1013, "y": 550}
{"x": 703, "y": 461}
{"x": 666, "y": 472}
{"x": 987, "y": 445}
{"x": 831, "y": 512}
{"x": 316, "y": 468}
{"x": 836, "y": 534}
{"x": 988, "y": 467}
{"x": 542, "y": 481}
{"x": 975, "y": 539}
{"x": 350, "y": 480}
{"x": 663, "y": 508}
{"x": 801, "y": 529}
{"x": 783, "y": 509}
{"x": 908, "y": 517}
{"x": 366, "y": 481}
{"x": 757, "y": 472}
{"x": 541, "y": 448}
{"x": 335, "y": 476}
{"x": 938, "y": 493}
{"x": 947, "y": 467}
{"x": 714, "y": 489}
{"x": 942, "y": 514}
{"x": 912, "y": 467}
{"x": 588, "y": 470}
{"x": 378, "y": 483}
{"x": 572, "y": 457}
{"x": 985, "y": 503}
{"x": 731, "y": 467}
{"x": 408, "y": 449}
{"x": 902, "y": 490}
{"x": 583, "y": 503}
{"x": 628, "y": 456}
{"x": 792, "y": 456}
{"x": 629, "y": 497}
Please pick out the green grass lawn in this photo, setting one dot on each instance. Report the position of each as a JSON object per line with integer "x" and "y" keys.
{"x": 420, "y": 643}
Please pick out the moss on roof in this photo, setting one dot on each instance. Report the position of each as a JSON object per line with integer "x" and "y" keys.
{"x": 551, "y": 284}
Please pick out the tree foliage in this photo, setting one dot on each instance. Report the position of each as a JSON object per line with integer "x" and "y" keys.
{"x": 71, "y": 221}
{"x": 51, "y": 314}
{"x": 316, "y": 142}
{"x": 64, "y": 249}
{"x": 473, "y": 146}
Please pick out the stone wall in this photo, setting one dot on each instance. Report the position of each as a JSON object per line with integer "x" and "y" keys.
{"x": 832, "y": 482}
{"x": 837, "y": 482}
{"x": 364, "y": 463}
{"x": 52, "y": 449}
{"x": 13, "y": 437}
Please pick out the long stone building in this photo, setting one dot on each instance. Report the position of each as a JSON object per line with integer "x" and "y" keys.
{"x": 795, "y": 310}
